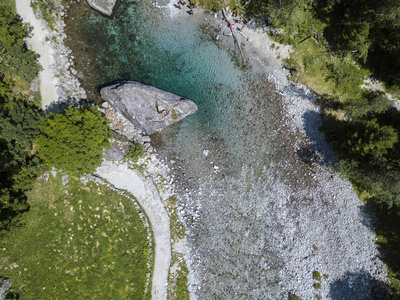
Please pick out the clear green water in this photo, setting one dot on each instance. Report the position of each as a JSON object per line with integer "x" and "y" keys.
{"x": 227, "y": 198}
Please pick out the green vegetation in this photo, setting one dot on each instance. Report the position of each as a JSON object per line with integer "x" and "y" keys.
{"x": 10, "y": 5}
{"x": 215, "y": 5}
{"x": 177, "y": 280}
{"x": 177, "y": 227}
{"x": 78, "y": 242}
{"x": 46, "y": 7}
{"x": 19, "y": 165}
{"x": 316, "y": 275}
{"x": 293, "y": 297}
{"x": 317, "y": 285}
{"x": 15, "y": 58}
{"x": 136, "y": 151}
{"x": 367, "y": 31}
{"x": 74, "y": 140}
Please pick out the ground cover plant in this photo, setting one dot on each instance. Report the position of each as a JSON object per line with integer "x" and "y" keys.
{"x": 136, "y": 151}
{"x": 178, "y": 274}
{"x": 77, "y": 242}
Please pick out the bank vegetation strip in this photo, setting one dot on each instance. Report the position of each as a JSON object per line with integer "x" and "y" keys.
{"x": 146, "y": 193}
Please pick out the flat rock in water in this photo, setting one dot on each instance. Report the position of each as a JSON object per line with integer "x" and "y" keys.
{"x": 103, "y": 6}
{"x": 146, "y": 107}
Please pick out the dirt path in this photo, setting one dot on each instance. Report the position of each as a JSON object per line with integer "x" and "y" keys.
{"x": 38, "y": 43}
{"x": 147, "y": 195}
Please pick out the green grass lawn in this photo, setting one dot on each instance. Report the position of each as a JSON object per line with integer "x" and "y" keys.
{"x": 78, "y": 242}
{"x": 319, "y": 69}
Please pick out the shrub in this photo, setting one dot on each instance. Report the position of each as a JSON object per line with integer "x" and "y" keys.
{"x": 135, "y": 152}
{"x": 317, "y": 286}
{"x": 316, "y": 275}
{"x": 74, "y": 140}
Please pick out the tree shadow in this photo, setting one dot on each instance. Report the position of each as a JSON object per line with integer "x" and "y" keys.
{"x": 387, "y": 227}
{"x": 320, "y": 150}
{"x": 59, "y": 106}
{"x": 360, "y": 286}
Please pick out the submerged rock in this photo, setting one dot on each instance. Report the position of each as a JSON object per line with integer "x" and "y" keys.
{"x": 103, "y": 6}
{"x": 147, "y": 107}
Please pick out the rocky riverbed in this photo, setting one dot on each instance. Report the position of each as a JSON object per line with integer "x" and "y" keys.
{"x": 267, "y": 216}
{"x": 281, "y": 222}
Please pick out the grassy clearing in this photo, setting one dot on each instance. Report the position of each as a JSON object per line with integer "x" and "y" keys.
{"x": 311, "y": 59}
{"x": 326, "y": 74}
{"x": 78, "y": 242}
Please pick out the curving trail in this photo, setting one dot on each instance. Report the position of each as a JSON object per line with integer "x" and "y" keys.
{"x": 147, "y": 195}
{"x": 38, "y": 43}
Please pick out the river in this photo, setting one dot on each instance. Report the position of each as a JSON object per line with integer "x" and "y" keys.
{"x": 258, "y": 207}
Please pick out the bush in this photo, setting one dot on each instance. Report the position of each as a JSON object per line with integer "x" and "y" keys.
{"x": 135, "y": 152}
{"x": 317, "y": 286}
{"x": 316, "y": 275}
{"x": 74, "y": 140}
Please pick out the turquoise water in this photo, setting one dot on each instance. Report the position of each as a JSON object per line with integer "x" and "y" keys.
{"x": 222, "y": 157}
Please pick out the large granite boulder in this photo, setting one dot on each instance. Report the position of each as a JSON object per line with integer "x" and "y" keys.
{"x": 103, "y": 6}
{"x": 147, "y": 107}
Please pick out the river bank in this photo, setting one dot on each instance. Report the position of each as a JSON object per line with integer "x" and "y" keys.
{"x": 57, "y": 79}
